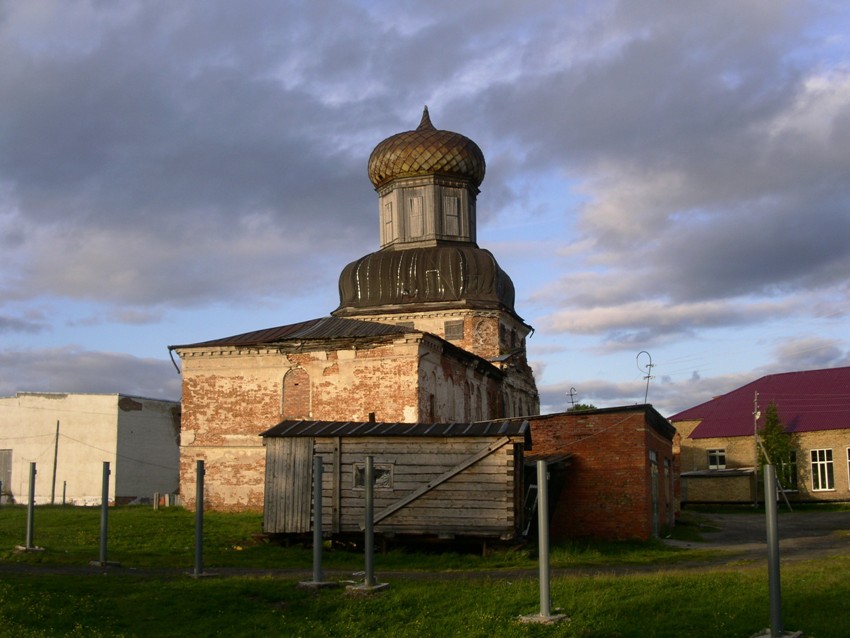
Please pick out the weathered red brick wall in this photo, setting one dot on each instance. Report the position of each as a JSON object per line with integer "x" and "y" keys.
{"x": 232, "y": 397}
{"x": 607, "y": 493}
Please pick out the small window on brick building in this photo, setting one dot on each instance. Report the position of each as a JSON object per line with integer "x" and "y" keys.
{"x": 823, "y": 477}
{"x": 454, "y": 330}
{"x": 383, "y": 475}
{"x": 405, "y": 324}
{"x": 717, "y": 459}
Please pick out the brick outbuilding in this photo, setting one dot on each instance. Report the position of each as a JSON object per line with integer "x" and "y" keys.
{"x": 620, "y": 478}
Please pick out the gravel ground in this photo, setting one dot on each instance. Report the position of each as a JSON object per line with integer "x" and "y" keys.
{"x": 802, "y": 535}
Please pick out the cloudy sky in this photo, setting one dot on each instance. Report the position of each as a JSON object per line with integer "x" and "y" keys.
{"x": 667, "y": 182}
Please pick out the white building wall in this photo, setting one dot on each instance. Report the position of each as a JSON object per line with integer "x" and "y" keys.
{"x": 148, "y": 452}
{"x": 88, "y": 436}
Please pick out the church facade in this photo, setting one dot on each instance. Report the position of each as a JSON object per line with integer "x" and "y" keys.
{"x": 425, "y": 332}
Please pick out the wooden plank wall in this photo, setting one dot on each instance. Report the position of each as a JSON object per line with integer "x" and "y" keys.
{"x": 479, "y": 501}
{"x": 289, "y": 481}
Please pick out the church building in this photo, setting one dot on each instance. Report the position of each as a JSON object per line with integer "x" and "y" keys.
{"x": 425, "y": 332}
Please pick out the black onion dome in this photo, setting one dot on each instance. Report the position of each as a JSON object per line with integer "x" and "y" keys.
{"x": 426, "y": 151}
{"x": 424, "y": 278}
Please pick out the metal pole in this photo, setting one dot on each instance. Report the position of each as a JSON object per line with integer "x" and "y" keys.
{"x": 55, "y": 458}
{"x": 773, "y": 550}
{"x": 370, "y": 517}
{"x": 318, "y": 576}
{"x": 199, "y": 518}
{"x": 64, "y": 489}
{"x": 543, "y": 537}
{"x": 104, "y": 512}
{"x": 31, "y": 507}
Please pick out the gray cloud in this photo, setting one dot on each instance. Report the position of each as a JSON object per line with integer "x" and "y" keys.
{"x": 161, "y": 157}
{"x": 72, "y": 369}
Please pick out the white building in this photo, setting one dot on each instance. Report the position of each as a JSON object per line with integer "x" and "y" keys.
{"x": 69, "y": 436}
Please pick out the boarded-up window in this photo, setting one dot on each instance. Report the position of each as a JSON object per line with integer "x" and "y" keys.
{"x": 296, "y": 394}
{"x": 382, "y": 475}
{"x": 454, "y": 330}
{"x": 389, "y": 230}
{"x": 416, "y": 221}
{"x": 451, "y": 215}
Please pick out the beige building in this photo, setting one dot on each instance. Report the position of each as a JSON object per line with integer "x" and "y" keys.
{"x": 717, "y": 445}
{"x": 69, "y": 436}
{"x": 426, "y": 331}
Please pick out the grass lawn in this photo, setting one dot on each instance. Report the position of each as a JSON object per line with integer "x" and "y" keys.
{"x": 138, "y": 599}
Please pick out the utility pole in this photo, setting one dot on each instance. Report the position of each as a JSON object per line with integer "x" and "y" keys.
{"x": 756, "y": 415}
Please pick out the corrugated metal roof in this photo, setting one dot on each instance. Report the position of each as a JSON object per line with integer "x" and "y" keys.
{"x": 438, "y": 430}
{"x": 323, "y": 328}
{"x": 807, "y": 401}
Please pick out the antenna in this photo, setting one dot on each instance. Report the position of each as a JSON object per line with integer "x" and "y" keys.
{"x": 573, "y": 397}
{"x": 647, "y": 372}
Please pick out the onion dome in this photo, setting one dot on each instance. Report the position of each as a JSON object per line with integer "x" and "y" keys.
{"x": 424, "y": 278}
{"x": 426, "y": 151}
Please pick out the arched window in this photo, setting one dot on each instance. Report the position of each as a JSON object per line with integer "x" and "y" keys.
{"x": 296, "y": 394}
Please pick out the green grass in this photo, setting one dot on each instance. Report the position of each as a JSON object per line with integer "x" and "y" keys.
{"x": 139, "y": 537}
{"x": 427, "y": 594}
{"x": 655, "y": 605}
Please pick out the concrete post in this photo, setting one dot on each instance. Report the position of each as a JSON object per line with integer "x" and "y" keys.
{"x": 545, "y": 616}
{"x": 318, "y": 576}
{"x": 543, "y": 537}
{"x": 369, "y": 537}
{"x": 104, "y": 512}
{"x": 199, "y": 519}
{"x": 770, "y": 510}
{"x": 31, "y": 508}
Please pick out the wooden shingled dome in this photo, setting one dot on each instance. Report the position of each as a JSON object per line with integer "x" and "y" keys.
{"x": 426, "y": 151}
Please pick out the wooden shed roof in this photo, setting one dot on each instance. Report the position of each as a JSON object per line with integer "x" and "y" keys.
{"x": 293, "y": 428}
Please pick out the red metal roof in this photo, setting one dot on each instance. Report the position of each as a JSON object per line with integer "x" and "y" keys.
{"x": 807, "y": 401}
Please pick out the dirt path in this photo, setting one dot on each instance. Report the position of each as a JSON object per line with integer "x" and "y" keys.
{"x": 802, "y": 535}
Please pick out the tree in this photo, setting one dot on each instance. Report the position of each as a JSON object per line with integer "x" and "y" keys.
{"x": 582, "y": 407}
{"x": 780, "y": 448}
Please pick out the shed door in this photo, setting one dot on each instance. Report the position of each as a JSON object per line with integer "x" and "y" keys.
{"x": 653, "y": 469}
{"x": 289, "y": 485}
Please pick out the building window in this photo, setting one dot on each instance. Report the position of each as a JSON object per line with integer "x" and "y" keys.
{"x": 405, "y": 324}
{"x": 389, "y": 232}
{"x": 416, "y": 226}
{"x": 717, "y": 459}
{"x": 296, "y": 394}
{"x": 451, "y": 214}
{"x": 383, "y": 475}
{"x": 788, "y": 472}
{"x": 822, "y": 474}
{"x": 454, "y": 330}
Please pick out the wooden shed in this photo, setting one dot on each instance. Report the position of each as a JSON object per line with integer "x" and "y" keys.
{"x": 444, "y": 479}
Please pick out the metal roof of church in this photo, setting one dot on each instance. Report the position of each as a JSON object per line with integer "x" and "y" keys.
{"x": 292, "y": 428}
{"x": 322, "y": 328}
{"x": 807, "y": 401}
